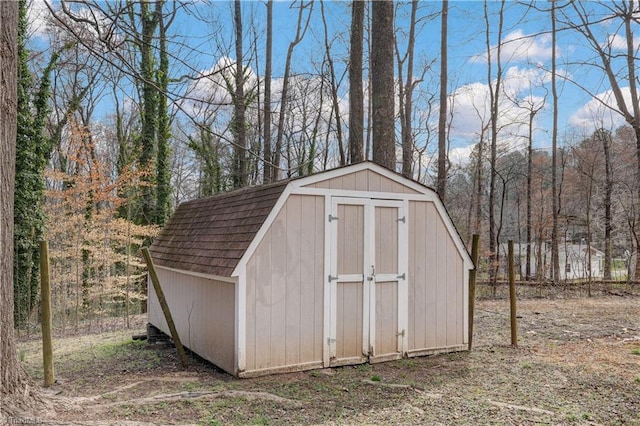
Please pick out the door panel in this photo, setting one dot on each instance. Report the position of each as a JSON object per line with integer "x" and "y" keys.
{"x": 350, "y": 239}
{"x": 386, "y": 318}
{"x": 386, "y": 242}
{"x": 349, "y": 321}
{"x": 385, "y": 293}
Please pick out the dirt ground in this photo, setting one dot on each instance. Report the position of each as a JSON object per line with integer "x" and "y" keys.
{"x": 578, "y": 362}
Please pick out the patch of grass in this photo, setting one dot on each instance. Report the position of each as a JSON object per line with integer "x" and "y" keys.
{"x": 375, "y": 378}
{"x": 637, "y": 379}
{"x": 635, "y": 351}
{"x": 364, "y": 368}
{"x": 210, "y": 421}
{"x": 406, "y": 363}
{"x": 190, "y": 386}
{"x": 260, "y": 420}
{"x": 527, "y": 366}
{"x": 586, "y": 416}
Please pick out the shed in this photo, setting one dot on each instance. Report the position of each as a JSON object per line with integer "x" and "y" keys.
{"x": 352, "y": 265}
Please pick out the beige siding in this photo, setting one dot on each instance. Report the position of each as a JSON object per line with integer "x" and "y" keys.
{"x": 285, "y": 288}
{"x": 364, "y": 180}
{"x": 203, "y": 311}
{"x": 436, "y": 272}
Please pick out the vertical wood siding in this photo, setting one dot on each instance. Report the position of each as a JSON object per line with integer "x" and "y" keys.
{"x": 364, "y": 180}
{"x": 285, "y": 288}
{"x": 436, "y": 275}
{"x": 203, "y": 311}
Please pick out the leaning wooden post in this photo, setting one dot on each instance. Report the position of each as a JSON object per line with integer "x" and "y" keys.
{"x": 45, "y": 298}
{"x": 512, "y": 297}
{"x": 164, "y": 306}
{"x": 473, "y": 274}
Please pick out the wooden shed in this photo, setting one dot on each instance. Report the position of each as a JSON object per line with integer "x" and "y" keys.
{"x": 352, "y": 265}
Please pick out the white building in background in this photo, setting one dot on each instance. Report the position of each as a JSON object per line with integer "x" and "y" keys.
{"x": 574, "y": 260}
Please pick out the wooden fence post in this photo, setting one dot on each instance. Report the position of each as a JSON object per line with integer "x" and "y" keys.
{"x": 165, "y": 307}
{"x": 512, "y": 297}
{"x": 473, "y": 275}
{"x": 45, "y": 297}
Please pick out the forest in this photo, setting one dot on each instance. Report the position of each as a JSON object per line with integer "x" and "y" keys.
{"x": 127, "y": 108}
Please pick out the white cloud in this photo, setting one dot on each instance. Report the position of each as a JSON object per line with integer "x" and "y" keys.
{"x": 471, "y": 110}
{"x": 461, "y": 155}
{"x": 600, "y": 112}
{"x": 618, "y": 42}
{"x": 37, "y": 18}
{"x": 520, "y": 47}
{"x": 209, "y": 92}
{"x": 471, "y": 103}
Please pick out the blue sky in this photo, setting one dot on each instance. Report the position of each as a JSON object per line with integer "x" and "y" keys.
{"x": 526, "y": 57}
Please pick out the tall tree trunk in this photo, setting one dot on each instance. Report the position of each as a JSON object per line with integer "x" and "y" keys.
{"x": 529, "y": 182}
{"x": 494, "y": 94}
{"x": 356, "y": 95}
{"x": 555, "y": 260}
{"x": 239, "y": 126}
{"x": 382, "y": 79}
{"x": 162, "y": 159}
{"x": 442, "y": 116}
{"x": 12, "y": 377}
{"x": 407, "y": 136}
{"x": 334, "y": 88}
{"x": 149, "y": 110}
{"x": 608, "y": 190}
{"x": 269, "y": 170}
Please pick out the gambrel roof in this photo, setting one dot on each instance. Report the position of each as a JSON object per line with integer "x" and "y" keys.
{"x": 209, "y": 235}
{"x": 213, "y": 235}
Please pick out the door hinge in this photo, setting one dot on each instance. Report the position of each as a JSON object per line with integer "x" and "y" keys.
{"x": 332, "y": 278}
{"x": 402, "y": 277}
{"x": 330, "y": 340}
{"x": 403, "y": 219}
{"x": 332, "y": 218}
{"x": 401, "y": 333}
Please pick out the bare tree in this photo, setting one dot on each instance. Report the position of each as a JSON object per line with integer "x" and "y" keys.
{"x": 268, "y": 171}
{"x": 555, "y": 260}
{"x": 356, "y": 95}
{"x": 442, "y": 117}
{"x": 605, "y": 138}
{"x": 382, "y": 80}
{"x": 239, "y": 126}
{"x": 301, "y": 29}
{"x": 494, "y": 95}
{"x": 333, "y": 84}
{"x": 625, "y": 13}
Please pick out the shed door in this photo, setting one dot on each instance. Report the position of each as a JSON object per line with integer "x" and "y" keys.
{"x": 368, "y": 280}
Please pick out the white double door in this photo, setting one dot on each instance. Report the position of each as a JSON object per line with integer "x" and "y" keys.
{"x": 368, "y": 285}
